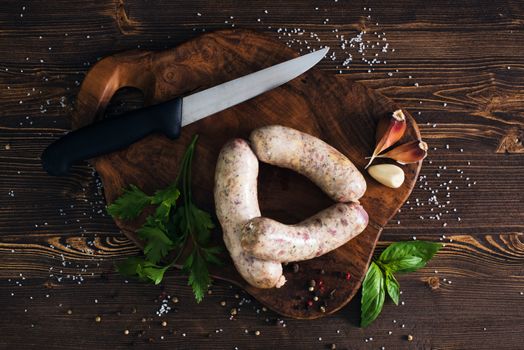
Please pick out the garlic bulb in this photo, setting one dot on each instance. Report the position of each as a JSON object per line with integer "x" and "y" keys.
{"x": 387, "y": 174}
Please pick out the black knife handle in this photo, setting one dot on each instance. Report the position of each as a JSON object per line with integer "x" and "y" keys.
{"x": 112, "y": 134}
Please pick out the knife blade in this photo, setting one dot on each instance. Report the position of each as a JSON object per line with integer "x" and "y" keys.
{"x": 168, "y": 117}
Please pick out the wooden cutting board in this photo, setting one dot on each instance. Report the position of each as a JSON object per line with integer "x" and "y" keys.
{"x": 334, "y": 108}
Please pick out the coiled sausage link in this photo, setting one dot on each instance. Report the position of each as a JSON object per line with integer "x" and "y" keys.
{"x": 236, "y": 203}
{"x": 288, "y": 148}
{"x": 327, "y": 230}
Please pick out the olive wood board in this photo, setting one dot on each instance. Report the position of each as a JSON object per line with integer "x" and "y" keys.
{"x": 332, "y": 107}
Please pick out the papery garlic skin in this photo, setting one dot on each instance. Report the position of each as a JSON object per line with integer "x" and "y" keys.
{"x": 407, "y": 153}
{"x": 390, "y": 129}
{"x": 387, "y": 174}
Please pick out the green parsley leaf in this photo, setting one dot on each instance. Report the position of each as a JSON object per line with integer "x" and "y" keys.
{"x": 130, "y": 204}
{"x": 142, "y": 269}
{"x": 152, "y": 272}
{"x": 202, "y": 224}
{"x": 166, "y": 201}
{"x": 392, "y": 287}
{"x": 211, "y": 254}
{"x": 373, "y": 295}
{"x": 180, "y": 223}
{"x": 168, "y": 195}
{"x": 170, "y": 227}
{"x": 158, "y": 245}
{"x": 199, "y": 278}
{"x": 408, "y": 256}
{"x": 129, "y": 266}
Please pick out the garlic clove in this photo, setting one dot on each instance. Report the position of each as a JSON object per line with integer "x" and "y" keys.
{"x": 410, "y": 152}
{"x": 389, "y": 130}
{"x": 387, "y": 174}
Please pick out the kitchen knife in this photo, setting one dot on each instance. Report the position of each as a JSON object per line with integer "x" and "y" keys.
{"x": 168, "y": 117}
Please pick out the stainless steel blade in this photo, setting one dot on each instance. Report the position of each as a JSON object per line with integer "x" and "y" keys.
{"x": 228, "y": 94}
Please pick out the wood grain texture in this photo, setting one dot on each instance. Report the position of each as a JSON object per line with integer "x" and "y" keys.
{"x": 458, "y": 53}
{"x": 340, "y": 112}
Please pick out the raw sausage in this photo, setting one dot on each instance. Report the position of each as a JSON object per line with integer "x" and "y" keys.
{"x": 321, "y": 163}
{"x": 327, "y": 230}
{"x": 236, "y": 203}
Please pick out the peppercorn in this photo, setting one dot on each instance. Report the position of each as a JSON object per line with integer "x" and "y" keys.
{"x": 69, "y": 312}
{"x": 174, "y": 300}
{"x": 332, "y": 294}
{"x": 257, "y": 333}
{"x": 333, "y": 346}
{"x": 410, "y": 337}
{"x": 164, "y": 323}
{"x": 223, "y": 303}
{"x": 296, "y": 268}
{"x": 126, "y": 332}
{"x": 322, "y": 309}
{"x": 312, "y": 283}
{"x": 348, "y": 276}
{"x": 98, "y": 319}
{"x": 315, "y": 298}
{"x": 233, "y": 311}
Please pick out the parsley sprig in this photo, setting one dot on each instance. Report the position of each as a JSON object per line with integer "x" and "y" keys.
{"x": 400, "y": 257}
{"x": 171, "y": 228}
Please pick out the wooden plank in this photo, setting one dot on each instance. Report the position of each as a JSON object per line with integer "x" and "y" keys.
{"x": 457, "y": 52}
{"x": 479, "y": 275}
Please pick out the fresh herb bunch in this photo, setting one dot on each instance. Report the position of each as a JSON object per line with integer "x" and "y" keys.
{"x": 170, "y": 228}
{"x": 399, "y": 257}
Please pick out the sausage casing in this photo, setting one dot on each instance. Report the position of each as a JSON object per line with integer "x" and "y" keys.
{"x": 288, "y": 148}
{"x": 327, "y": 230}
{"x": 236, "y": 203}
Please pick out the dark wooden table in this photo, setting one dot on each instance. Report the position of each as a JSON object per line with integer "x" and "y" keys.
{"x": 458, "y": 66}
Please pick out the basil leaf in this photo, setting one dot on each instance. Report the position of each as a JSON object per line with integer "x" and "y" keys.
{"x": 406, "y": 264}
{"x": 392, "y": 287}
{"x": 408, "y": 256}
{"x": 373, "y": 295}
